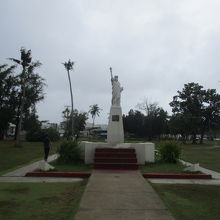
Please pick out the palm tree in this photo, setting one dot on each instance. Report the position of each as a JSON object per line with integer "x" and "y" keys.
{"x": 69, "y": 66}
{"x": 27, "y": 69}
{"x": 94, "y": 111}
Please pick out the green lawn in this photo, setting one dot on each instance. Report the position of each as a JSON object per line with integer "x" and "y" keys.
{"x": 161, "y": 167}
{"x": 207, "y": 155}
{"x": 12, "y": 157}
{"x": 191, "y": 202}
{"x": 55, "y": 201}
{"x": 72, "y": 167}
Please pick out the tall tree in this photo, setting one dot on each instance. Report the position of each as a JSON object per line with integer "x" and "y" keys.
{"x": 8, "y": 97}
{"x": 179, "y": 125}
{"x": 199, "y": 108}
{"x": 134, "y": 123}
{"x": 210, "y": 112}
{"x": 155, "y": 121}
{"x": 28, "y": 67}
{"x": 94, "y": 111}
{"x": 148, "y": 107}
{"x": 69, "y": 66}
{"x": 79, "y": 122}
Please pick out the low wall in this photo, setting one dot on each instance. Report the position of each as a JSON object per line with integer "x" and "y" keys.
{"x": 144, "y": 151}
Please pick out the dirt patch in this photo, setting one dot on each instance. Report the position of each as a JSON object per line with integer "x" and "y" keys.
{"x": 18, "y": 190}
{"x": 214, "y": 147}
{"x": 8, "y": 204}
{"x": 49, "y": 199}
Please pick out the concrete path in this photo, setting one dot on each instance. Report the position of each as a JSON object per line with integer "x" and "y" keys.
{"x": 19, "y": 174}
{"x": 214, "y": 174}
{"x": 29, "y": 168}
{"x": 116, "y": 195}
{"x": 9, "y": 179}
{"x": 186, "y": 181}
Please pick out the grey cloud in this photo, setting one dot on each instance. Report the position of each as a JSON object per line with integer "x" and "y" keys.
{"x": 154, "y": 46}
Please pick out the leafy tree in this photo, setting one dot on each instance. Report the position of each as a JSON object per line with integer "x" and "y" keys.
{"x": 8, "y": 97}
{"x": 134, "y": 123}
{"x": 178, "y": 124}
{"x": 151, "y": 125}
{"x": 38, "y": 135}
{"x": 30, "y": 87}
{"x": 198, "y": 108}
{"x": 79, "y": 119}
{"x": 155, "y": 123}
{"x": 94, "y": 111}
{"x": 32, "y": 125}
{"x": 69, "y": 66}
{"x": 210, "y": 112}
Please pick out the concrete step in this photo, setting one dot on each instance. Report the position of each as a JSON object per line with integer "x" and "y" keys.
{"x": 114, "y": 155}
{"x": 115, "y": 150}
{"x": 115, "y": 160}
{"x": 116, "y": 166}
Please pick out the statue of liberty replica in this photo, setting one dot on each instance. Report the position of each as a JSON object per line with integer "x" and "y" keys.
{"x": 115, "y": 133}
{"x": 116, "y": 90}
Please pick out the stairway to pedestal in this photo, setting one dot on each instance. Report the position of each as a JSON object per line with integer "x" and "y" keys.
{"x": 115, "y": 158}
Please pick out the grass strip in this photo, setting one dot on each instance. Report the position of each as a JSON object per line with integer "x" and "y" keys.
{"x": 191, "y": 202}
{"x": 14, "y": 157}
{"x": 40, "y": 200}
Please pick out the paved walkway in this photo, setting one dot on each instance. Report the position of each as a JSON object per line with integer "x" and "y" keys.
{"x": 214, "y": 174}
{"x": 186, "y": 181}
{"x": 19, "y": 174}
{"x": 21, "y": 179}
{"x": 29, "y": 168}
{"x": 116, "y": 195}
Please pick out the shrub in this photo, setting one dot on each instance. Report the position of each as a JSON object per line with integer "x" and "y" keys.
{"x": 39, "y": 135}
{"x": 69, "y": 152}
{"x": 52, "y": 133}
{"x": 169, "y": 151}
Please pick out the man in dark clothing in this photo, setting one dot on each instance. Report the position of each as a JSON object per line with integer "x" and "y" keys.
{"x": 47, "y": 145}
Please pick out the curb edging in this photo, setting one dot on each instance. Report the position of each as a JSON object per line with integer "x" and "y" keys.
{"x": 177, "y": 176}
{"x": 59, "y": 174}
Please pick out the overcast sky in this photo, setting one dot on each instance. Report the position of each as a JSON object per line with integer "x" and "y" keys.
{"x": 154, "y": 46}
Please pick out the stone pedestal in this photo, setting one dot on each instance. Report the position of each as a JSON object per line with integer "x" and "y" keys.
{"x": 45, "y": 166}
{"x": 115, "y": 133}
{"x": 145, "y": 152}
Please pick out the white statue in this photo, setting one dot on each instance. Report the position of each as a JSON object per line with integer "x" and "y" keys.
{"x": 116, "y": 90}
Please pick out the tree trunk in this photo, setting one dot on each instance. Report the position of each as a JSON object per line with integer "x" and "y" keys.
{"x": 183, "y": 139}
{"x": 93, "y": 123}
{"x": 17, "y": 119}
{"x": 18, "y": 135}
{"x": 193, "y": 138}
{"x": 2, "y": 134}
{"x": 71, "y": 93}
{"x": 202, "y": 136}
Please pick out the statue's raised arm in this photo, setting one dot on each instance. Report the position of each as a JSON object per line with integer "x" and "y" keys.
{"x": 111, "y": 74}
{"x": 116, "y": 90}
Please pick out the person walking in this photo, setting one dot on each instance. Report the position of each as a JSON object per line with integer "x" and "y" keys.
{"x": 47, "y": 146}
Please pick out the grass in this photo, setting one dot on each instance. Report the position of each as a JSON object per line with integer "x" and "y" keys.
{"x": 71, "y": 167}
{"x": 41, "y": 201}
{"x": 92, "y": 139}
{"x": 191, "y": 202}
{"x": 207, "y": 155}
{"x": 12, "y": 157}
{"x": 160, "y": 167}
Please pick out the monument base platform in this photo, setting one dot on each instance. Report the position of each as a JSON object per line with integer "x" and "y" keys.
{"x": 145, "y": 152}
{"x": 115, "y": 133}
